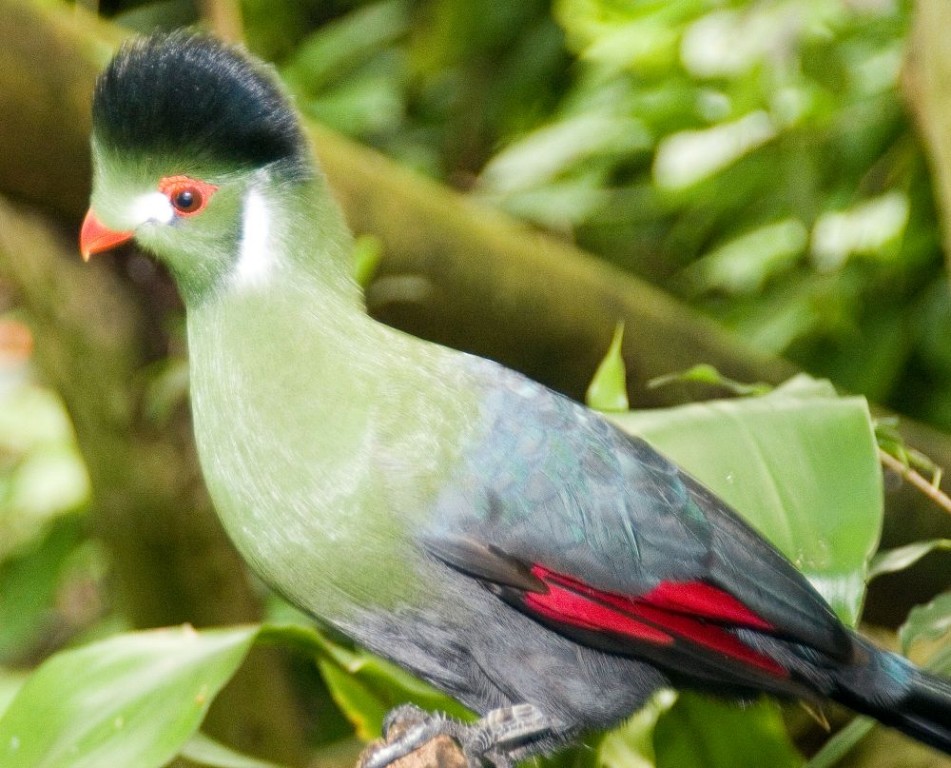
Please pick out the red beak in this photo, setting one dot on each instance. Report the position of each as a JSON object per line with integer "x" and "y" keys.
{"x": 96, "y": 238}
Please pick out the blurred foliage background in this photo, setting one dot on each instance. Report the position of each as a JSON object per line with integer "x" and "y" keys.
{"x": 755, "y": 159}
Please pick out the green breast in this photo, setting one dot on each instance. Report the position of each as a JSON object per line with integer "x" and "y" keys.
{"x": 323, "y": 438}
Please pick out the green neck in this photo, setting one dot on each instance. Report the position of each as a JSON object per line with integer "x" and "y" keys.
{"x": 288, "y": 374}
{"x": 309, "y": 217}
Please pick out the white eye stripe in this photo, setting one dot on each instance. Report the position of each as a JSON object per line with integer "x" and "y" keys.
{"x": 153, "y": 206}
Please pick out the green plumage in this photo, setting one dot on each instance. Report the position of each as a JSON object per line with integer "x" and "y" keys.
{"x": 306, "y": 462}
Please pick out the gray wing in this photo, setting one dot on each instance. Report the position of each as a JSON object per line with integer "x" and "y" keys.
{"x": 550, "y": 483}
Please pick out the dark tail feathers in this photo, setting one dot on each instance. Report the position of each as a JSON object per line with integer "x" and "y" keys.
{"x": 898, "y": 694}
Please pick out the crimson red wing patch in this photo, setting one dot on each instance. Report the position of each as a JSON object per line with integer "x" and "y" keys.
{"x": 690, "y": 612}
{"x": 703, "y": 600}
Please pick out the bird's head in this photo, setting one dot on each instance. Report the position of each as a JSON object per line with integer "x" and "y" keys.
{"x": 185, "y": 129}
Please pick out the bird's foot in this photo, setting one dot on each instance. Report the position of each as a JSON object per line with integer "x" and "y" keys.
{"x": 500, "y": 738}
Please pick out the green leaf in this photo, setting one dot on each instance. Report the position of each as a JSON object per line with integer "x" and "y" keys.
{"x": 703, "y": 731}
{"x": 10, "y": 683}
{"x": 632, "y": 744}
{"x": 866, "y": 229}
{"x": 338, "y": 47}
{"x": 930, "y": 622}
{"x": 542, "y": 155}
{"x": 892, "y": 560}
{"x": 356, "y": 699}
{"x": 608, "y": 388}
{"x": 707, "y": 374}
{"x": 367, "y": 252}
{"x": 364, "y": 686}
{"x": 893, "y": 443}
{"x": 42, "y": 475}
{"x": 166, "y": 390}
{"x": 800, "y": 464}
{"x": 842, "y": 743}
{"x": 688, "y": 157}
{"x": 206, "y": 751}
{"x": 131, "y": 700}
{"x": 746, "y": 263}
{"x": 30, "y": 583}
{"x": 582, "y": 754}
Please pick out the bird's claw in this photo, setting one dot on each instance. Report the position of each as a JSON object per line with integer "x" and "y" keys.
{"x": 408, "y": 728}
{"x": 498, "y": 739}
{"x": 400, "y": 719}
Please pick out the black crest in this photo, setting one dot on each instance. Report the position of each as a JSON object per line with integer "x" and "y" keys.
{"x": 188, "y": 94}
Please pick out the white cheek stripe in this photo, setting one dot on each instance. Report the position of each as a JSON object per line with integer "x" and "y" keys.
{"x": 153, "y": 206}
{"x": 255, "y": 258}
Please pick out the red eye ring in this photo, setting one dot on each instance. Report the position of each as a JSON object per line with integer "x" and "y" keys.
{"x": 188, "y": 196}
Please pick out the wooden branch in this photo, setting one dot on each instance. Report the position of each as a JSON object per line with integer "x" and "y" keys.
{"x": 224, "y": 18}
{"x": 439, "y": 752}
{"x": 926, "y": 83}
{"x": 912, "y": 476}
{"x": 49, "y": 57}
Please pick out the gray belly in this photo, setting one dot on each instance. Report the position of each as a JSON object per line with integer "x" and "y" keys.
{"x": 479, "y": 650}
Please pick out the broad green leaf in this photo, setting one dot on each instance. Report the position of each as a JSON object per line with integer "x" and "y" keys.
{"x": 892, "y": 560}
{"x": 639, "y": 35}
{"x": 703, "y": 731}
{"x": 582, "y": 754}
{"x": 608, "y": 388}
{"x": 10, "y": 683}
{"x": 131, "y": 700}
{"x": 206, "y": 751}
{"x": 800, "y": 465}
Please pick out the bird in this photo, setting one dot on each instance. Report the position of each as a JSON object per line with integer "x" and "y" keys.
{"x": 496, "y": 539}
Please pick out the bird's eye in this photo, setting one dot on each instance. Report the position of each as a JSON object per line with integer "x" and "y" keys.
{"x": 188, "y": 196}
{"x": 187, "y": 201}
